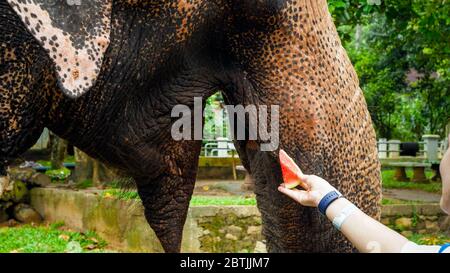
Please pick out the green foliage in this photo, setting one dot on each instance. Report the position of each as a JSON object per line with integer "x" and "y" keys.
{"x": 58, "y": 174}
{"x": 51, "y": 239}
{"x": 57, "y": 225}
{"x": 348, "y": 13}
{"x": 120, "y": 194}
{"x": 44, "y": 163}
{"x": 213, "y": 128}
{"x": 391, "y": 201}
{"x": 386, "y": 43}
{"x": 429, "y": 239}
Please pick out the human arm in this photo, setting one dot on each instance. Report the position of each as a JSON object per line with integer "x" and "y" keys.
{"x": 445, "y": 175}
{"x": 366, "y": 234}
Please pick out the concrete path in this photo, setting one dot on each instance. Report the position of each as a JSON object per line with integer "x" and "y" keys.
{"x": 412, "y": 195}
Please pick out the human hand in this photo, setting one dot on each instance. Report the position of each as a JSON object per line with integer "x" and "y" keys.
{"x": 318, "y": 188}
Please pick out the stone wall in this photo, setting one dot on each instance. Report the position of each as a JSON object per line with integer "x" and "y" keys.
{"x": 14, "y": 194}
{"x": 422, "y": 219}
{"x": 227, "y": 228}
{"x": 207, "y": 228}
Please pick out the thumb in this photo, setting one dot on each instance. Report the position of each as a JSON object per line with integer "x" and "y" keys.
{"x": 305, "y": 181}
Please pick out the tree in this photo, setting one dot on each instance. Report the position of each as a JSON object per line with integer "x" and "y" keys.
{"x": 58, "y": 148}
{"x": 401, "y": 53}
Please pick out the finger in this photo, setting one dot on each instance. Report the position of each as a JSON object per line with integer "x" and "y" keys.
{"x": 298, "y": 195}
{"x": 303, "y": 185}
{"x": 286, "y": 191}
{"x": 294, "y": 189}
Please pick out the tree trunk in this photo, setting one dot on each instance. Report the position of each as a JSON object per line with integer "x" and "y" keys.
{"x": 87, "y": 168}
{"x": 58, "y": 148}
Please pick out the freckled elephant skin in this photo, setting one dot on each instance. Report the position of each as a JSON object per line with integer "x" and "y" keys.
{"x": 158, "y": 54}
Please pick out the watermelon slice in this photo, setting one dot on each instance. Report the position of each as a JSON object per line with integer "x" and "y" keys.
{"x": 290, "y": 171}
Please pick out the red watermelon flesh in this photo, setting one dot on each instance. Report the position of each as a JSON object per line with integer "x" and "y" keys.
{"x": 290, "y": 171}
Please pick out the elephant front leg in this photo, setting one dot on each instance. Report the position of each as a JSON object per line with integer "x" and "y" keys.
{"x": 166, "y": 196}
{"x": 24, "y": 87}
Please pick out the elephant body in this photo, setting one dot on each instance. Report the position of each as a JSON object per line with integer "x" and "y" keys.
{"x": 165, "y": 53}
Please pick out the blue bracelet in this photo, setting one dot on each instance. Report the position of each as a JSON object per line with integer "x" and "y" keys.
{"x": 444, "y": 247}
{"x": 327, "y": 200}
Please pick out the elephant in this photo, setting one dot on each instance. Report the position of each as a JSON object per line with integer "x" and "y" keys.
{"x": 105, "y": 74}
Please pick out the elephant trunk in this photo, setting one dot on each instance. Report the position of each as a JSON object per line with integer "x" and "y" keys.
{"x": 301, "y": 66}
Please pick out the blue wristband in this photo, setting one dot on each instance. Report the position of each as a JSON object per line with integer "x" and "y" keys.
{"x": 327, "y": 200}
{"x": 444, "y": 247}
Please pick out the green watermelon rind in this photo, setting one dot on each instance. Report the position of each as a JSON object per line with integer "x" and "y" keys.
{"x": 292, "y": 185}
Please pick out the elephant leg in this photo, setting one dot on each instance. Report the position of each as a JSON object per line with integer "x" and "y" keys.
{"x": 23, "y": 85}
{"x": 166, "y": 196}
{"x": 19, "y": 130}
{"x": 324, "y": 124}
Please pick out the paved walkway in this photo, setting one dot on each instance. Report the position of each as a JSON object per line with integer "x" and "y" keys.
{"x": 411, "y": 195}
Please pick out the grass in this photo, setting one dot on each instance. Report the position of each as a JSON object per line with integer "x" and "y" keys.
{"x": 222, "y": 200}
{"x": 120, "y": 194}
{"x": 391, "y": 201}
{"x": 390, "y": 183}
{"x": 87, "y": 183}
{"x": 44, "y": 163}
{"x": 429, "y": 239}
{"x": 48, "y": 239}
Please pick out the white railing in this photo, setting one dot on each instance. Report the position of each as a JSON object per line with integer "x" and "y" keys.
{"x": 431, "y": 148}
{"x": 391, "y": 148}
{"x": 221, "y": 147}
